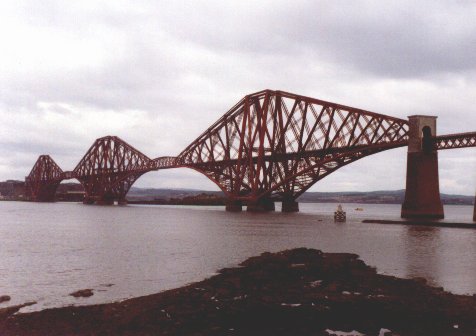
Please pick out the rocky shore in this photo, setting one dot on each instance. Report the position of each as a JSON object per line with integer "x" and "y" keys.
{"x": 295, "y": 292}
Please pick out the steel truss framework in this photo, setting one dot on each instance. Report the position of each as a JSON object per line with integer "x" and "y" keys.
{"x": 451, "y": 141}
{"x": 44, "y": 178}
{"x": 276, "y": 144}
{"x": 270, "y": 145}
{"x": 109, "y": 168}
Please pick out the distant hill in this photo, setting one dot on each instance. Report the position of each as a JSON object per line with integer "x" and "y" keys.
{"x": 162, "y": 193}
{"x": 374, "y": 197}
{"x": 15, "y": 190}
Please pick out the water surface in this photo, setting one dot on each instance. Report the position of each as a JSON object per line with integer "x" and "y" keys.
{"x": 50, "y": 250}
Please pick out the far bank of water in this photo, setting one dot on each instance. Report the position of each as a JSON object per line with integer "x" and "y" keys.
{"x": 50, "y": 250}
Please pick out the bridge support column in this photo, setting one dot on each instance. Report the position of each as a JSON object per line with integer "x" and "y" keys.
{"x": 87, "y": 200}
{"x": 290, "y": 205}
{"x": 422, "y": 193}
{"x": 260, "y": 205}
{"x": 233, "y": 205}
{"x": 41, "y": 191}
{"x": 474, "y": 210}
{"x": 47, "y": 192}
{"x": 105, "y": 201}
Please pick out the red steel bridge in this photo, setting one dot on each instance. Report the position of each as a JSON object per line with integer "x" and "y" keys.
{"x": 271, "y": 146}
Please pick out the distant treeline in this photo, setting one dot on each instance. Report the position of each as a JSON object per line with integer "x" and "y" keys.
{"x": 201, "y": 199}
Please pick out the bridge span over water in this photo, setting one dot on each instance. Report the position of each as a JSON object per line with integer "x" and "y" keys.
{"x": 271, "y": 146}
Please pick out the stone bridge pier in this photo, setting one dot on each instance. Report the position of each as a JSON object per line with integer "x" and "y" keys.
{"x": 474, "y": 210}
{"x": 289, "y": 204}
{"x": 422, "y": 193}
{"x": 263, "y": 204}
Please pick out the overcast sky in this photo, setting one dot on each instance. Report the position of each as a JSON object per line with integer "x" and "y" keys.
{"x": 158, "y": 73}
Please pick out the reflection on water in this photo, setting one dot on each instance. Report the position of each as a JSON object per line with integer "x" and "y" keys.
{"x": 424, "y": 254}
{"x": 51, "y": 250}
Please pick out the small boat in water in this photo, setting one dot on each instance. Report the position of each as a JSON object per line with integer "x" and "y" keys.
{"x": 359, "y": 209}
{"x": 339, "y": 214}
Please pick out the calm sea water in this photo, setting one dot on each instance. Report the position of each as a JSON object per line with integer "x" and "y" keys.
{"x": 48, "y": 251}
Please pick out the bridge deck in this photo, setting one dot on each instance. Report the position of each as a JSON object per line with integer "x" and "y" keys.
{"x": 458, "y": 140}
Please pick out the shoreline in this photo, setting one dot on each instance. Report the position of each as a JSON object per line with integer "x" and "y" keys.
{"x": 422, "y": 222}
{"x": 300, "y": 291}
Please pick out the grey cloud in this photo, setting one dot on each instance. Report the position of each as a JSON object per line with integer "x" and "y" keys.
{"x": 389, "y": 39}
{"x": 159, "y": 73}
{"x": 407, "y": 40}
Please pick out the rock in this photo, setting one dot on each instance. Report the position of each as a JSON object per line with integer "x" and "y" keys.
{"x": 4, "y": 298}
{"x": 9, "y": 311}
{"x": 268, "y": 296}
{"x": 82, "y": 293}
{"x": 107, "y": 285}
{"x": 420, "y": 280}
{"x": 384, "y": 332}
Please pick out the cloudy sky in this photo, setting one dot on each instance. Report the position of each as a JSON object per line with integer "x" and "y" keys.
{"x": 158, "y": 73}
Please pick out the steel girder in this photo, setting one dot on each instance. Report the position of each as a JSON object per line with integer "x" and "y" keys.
{"x": 278, "y": 144}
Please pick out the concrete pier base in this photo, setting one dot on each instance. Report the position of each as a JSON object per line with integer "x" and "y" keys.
{"x": 46, "y": 192}
{"x": 474, "y": 210}
{"x": 422, "y": 195}
{"x": 105, "y": 201}
{"x": 290, "y": 205}
{"x": 122, "y": 202}
{"x": 233, "y": 206}
{"x": 88, "y": 200}
{"x": 261, "y": 205}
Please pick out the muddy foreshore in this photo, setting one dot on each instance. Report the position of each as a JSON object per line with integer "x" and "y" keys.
{"x": 295, "y": 292}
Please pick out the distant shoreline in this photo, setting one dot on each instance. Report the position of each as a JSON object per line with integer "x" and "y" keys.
{"x": 222, "y": 203}
{"x": 423, "y": 222}
{"x": 73, "y": 192}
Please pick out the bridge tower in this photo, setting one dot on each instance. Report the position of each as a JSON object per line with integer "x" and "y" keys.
{"x": 108, "y": 170}
{"x": 43, "y": 180}
{"x": 422, "y": 193}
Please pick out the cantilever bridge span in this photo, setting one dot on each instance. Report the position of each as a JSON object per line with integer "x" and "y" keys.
{"x": 271, "y": 146}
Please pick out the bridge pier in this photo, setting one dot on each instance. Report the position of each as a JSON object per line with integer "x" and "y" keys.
{"x": 261, "y": 205}
{"x": 290, "y": 205}
{"x": 422, "y": 193}
{"x": 474, "y": 210}
{"x": 40, "y": 191}
{"x": 48, "y": 193}
{"x": 122, "y": 201}
{"x": 105, "y": 201}
{"x": 88, "y": 200}
{"x": 233, "y": 205}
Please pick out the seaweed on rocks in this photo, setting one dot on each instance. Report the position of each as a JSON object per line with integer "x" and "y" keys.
{"x": 294, "y": 292}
